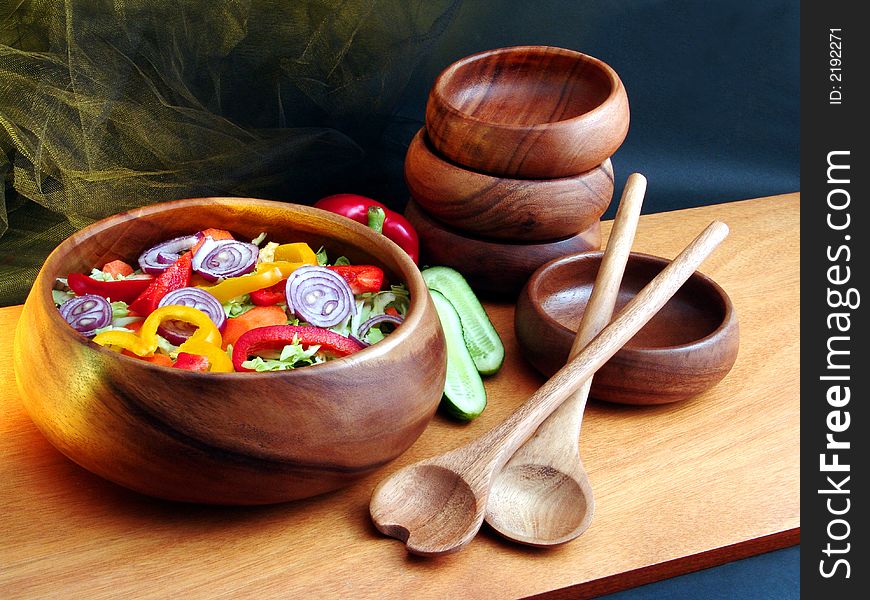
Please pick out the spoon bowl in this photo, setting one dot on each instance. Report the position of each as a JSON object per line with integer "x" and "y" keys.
{"x": 556, "y": 504}
{"x": 536, "y": 504}
{"x": 417, "y": 496}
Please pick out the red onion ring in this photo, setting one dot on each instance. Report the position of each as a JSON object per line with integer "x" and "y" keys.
{"x": 377, "y": 320}
{"x": 157, "y": 259}
{"x": 319, "y": 296}
{"x": 220, "y": 259}
{"x": 177, "y": 332}
{"x": 87, "y": 313}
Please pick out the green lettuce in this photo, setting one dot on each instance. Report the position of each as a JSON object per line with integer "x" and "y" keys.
{"x": 292, "y": 356}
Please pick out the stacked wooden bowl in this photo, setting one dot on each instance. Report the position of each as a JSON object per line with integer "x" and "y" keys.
{"x": 512, "y": 168}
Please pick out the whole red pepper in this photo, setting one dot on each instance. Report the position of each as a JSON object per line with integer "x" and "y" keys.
{"x": 175, "y": 277}
{"x": 377, "y": 216}
{"x": 125, "y": 290}
{"x": 275, "y": 337}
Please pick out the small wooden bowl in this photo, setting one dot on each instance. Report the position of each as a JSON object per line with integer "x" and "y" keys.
{"x": 688, "y": 347}
{"x": 493, "y": 268}
{"x": 496, "y": 207}
{"x": 528, "y": 112}
{"x": 228, "y": 438}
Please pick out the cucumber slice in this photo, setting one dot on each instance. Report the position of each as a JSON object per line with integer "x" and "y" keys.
{"x": 481, "y": 338}
{"x": 464, "y": 394}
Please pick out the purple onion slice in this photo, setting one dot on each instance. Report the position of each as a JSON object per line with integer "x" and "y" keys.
{"x": 362, "y": 343}
{"x": 157, "y": 259}
{"x": 177, "y": 332}
{"x": 319, "y": 296}
{"x": 219, "y": 259}
{"x": 377, "y": 320}
{"x": 87, "y": 313}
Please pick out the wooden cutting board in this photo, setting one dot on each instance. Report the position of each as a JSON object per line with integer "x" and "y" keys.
{"x": 731, "y": 488}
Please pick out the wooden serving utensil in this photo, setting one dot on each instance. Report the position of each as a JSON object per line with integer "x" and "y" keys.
{"x": 436, "y": 506}
{"x": 543, "y": 497}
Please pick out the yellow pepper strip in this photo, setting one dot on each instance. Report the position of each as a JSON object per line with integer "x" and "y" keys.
{"x": 266, "y": 275}
{"x": 218, "y": 360}
{"x": 125, "y": 340}
{"x": 299, "y": 252}
{"x": 144, "y": 343}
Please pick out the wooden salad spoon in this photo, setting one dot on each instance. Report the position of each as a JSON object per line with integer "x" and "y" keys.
{"x": 543, "y": 497}
{"x": 436, "y": 506}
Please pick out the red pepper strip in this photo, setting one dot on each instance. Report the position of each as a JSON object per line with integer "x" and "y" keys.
{"x": 395, "y": 226}
{"x": 271, "y": 295}
{"x": 191, "y": 362}
{"x": 125, "y": 290}
{"x": 175, "y": 277}
{"x": 361, "y": 278}
{"x": 275, "y": 337}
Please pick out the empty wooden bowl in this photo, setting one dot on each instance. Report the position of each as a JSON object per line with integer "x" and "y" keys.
{"x": 502, "y": 208}
{"x": 528, "y": 112}
{"x": 493, "y": 268}
{"x": 688, "y": 347}
{"x": 228, "y": 438}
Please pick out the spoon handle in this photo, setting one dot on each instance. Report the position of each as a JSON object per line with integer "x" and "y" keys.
{"x": 599, "y": 309}
{"x": 602, "y": 301}
{"x": 556, "y": 439}
{"x": 489, "y": 453}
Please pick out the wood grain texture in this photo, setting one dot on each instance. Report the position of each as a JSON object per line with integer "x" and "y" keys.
{"x": 494, "y": 269}
{"x": 437, "y": 506}
{"x": 728, "y": 458}
{"x": 228, "y": 438}
{"x": 687, "y": 348}
{"x": 532, "y": 112}
{"x": 500, "y": 208}
{"x": 542, "y": 496}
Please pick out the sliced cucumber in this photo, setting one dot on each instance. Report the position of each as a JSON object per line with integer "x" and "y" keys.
{"x": 481, "y": 338}
{"x": 464, "y": 394}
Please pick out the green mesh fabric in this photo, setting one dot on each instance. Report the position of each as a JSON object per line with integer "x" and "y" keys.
{"x": 114, "y": 104}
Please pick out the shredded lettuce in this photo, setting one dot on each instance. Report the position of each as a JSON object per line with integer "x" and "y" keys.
{"x": 238, "y": 305}
{"x": 121, "y": 315}
{"x": 259, "y": 239}
{"x": 292, "y": 356}
{"x": 372, "y": 304}
{"x": 60, "y": 297}
{"x": 322, "y": 259}
{"x": 166, "y": 346}
{"x": 374, "y": 335}
{"x": 267, "y": 252}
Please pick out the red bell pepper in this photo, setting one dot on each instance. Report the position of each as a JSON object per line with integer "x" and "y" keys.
{"x": 125, "y": 290}
{"x": 175, "y": 277}
{"x": 377, "y": 216}
{"x": 191, "y": 362}
{"x": 271, "y": 295}
{"x": 275, "y": 337}
{"x": 361, "y": 278}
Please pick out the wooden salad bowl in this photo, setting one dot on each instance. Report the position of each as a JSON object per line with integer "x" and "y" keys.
{"x": 504, "y": 208}
{"x": 228, "y": 438}
{"x": 493, "y": 268}
{"x": 528, "y": 111}
{"x": 687, "y": 348}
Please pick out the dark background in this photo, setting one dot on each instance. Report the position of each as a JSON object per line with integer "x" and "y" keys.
{"x": 107, "y": 106}
{"x": 713, "y": 87}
